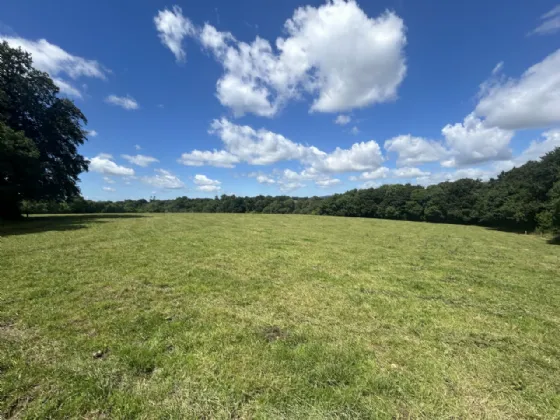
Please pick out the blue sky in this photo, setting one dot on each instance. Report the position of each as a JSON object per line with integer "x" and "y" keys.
{"x": 300, "y": 98}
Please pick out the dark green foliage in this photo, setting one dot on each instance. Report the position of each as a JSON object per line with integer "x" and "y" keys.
{"x": 39, "y": 137}
{"x": 19, "y": 167}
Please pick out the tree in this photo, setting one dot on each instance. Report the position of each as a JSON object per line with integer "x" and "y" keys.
{"x": 39, "y": 136}
{"x": 19, "y": 167}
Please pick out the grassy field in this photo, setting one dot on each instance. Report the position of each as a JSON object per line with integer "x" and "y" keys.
{"x": 271, "y": 316}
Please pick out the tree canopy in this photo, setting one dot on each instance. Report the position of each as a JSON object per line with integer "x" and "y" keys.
{"x": 39, "y": 136}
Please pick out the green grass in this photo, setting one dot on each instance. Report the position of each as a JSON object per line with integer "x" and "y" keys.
{"x": 270, "y": 316}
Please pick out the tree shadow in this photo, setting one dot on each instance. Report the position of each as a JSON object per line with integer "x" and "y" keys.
{"x": 512, "y": 229}
{"x": 554, "y": 241}
{"x": 38, "y": 224}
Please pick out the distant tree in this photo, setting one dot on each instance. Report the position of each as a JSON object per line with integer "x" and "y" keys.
{"x": 40, "y": 131}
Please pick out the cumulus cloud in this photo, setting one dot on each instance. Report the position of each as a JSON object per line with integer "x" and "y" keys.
{"x": 550, "y": 22}
{"x": 104, "y": 164}
{"x": 163, "y": 179}
{"x": 379, "y": 173}
{"x": 335, "y": 53}
{"x": 206, "y": 184}
{"x": 137, "y": 147}
{"x": 369, "y": 184}
{"x": 342, "y": 119}
{"x": 473, "y": 142}
{"x": 415, "y": 150}
{"x": 109, "y": 189}
{"x": 531, "y": 101}
{"x": 538, "y": 148}
{"x": 257, "y": 147}
{"x": 243, "y": 143}
{"x": 125, "y": 102}
{"x": 209, "y": 188}
{"x": 173, "y": 27}
{"x": 409, "y": 173}
{"x": 355, "y": 130}
{"x": 290, "y": 186}
{"x": 92, "y": 133}
{"x": 54, "y": 60}
{"x": 140, "y": 160}
{"x": 291, "y": 180}
{"x": 221, "y": 158}
{"x": 263, "y": 179}
{"x": 360, "y": 157}
{"x": 108, "y": 180}
{"x": 204, "y": 180}
{"x": 472, "y": 173}
{"x": 327, "y": 183}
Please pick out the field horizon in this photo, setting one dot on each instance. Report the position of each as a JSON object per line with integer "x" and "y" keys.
{"x": 275, "y": 316}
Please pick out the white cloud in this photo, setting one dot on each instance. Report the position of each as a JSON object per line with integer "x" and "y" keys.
{"x": 108, "y": 180}
{"x": 290, "y": 186}
{"x": 173, "y": 27}
{"x": 409, "y": 173}
{"x": 342, "y": 119}
{"x": 204, "y": 180}
{"x": 360, "y": 157}
{"x": 140, "y": 160}
{"x": 472, "y": 142}
{"x": 244, "y": 97}
{"x": 414, "y": 150}
{"x": 221, "y": 159}
{"x": 327, "y": 183}
{"x": 472, "y": 173}
{"x": 263, "y": 179}
{"x": 291, "y": 180}
{"x": 56, "y": 61}
{"x": 92, "y": 133}
{"x": 109, "y": 189}
{"x": 531, "y": 101}
{"x": 498, "y": 68}
{"x": 125, "y": 102}
{"x": 104, "y": 164}
{"x": 137, "y": 147}
{"x": 355, "y": 130}
{"x": 206, "y": 184}
{"x": 538, "y": 148}
{"x": 257, "y": 147}
{"x": 550, "y": 24}
{"x": 164, "y": 179}
{"x": 66, "y": 88}
{"x": 209, "y": 188}
{"x": 369, "y": 184}
{"x": 305, "y": 175}
{"x": 383, "y": 172}
{"x": 379, "y": 173}
{"x": 334, "y": 52}
{"x": 243, "y": 143}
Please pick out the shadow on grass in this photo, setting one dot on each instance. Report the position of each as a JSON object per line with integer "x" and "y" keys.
{"x": 37, "y": 224}
{"x": 512, "y": 229}
{"x": 554, "y": 241}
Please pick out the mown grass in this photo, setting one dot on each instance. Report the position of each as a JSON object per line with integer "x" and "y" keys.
{"x": 271, "y": 316}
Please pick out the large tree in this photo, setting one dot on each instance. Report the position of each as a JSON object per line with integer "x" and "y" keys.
{"x": 39, "y": 136}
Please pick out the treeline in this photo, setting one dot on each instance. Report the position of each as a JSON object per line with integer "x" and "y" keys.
{"x": 524, "y": 198}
